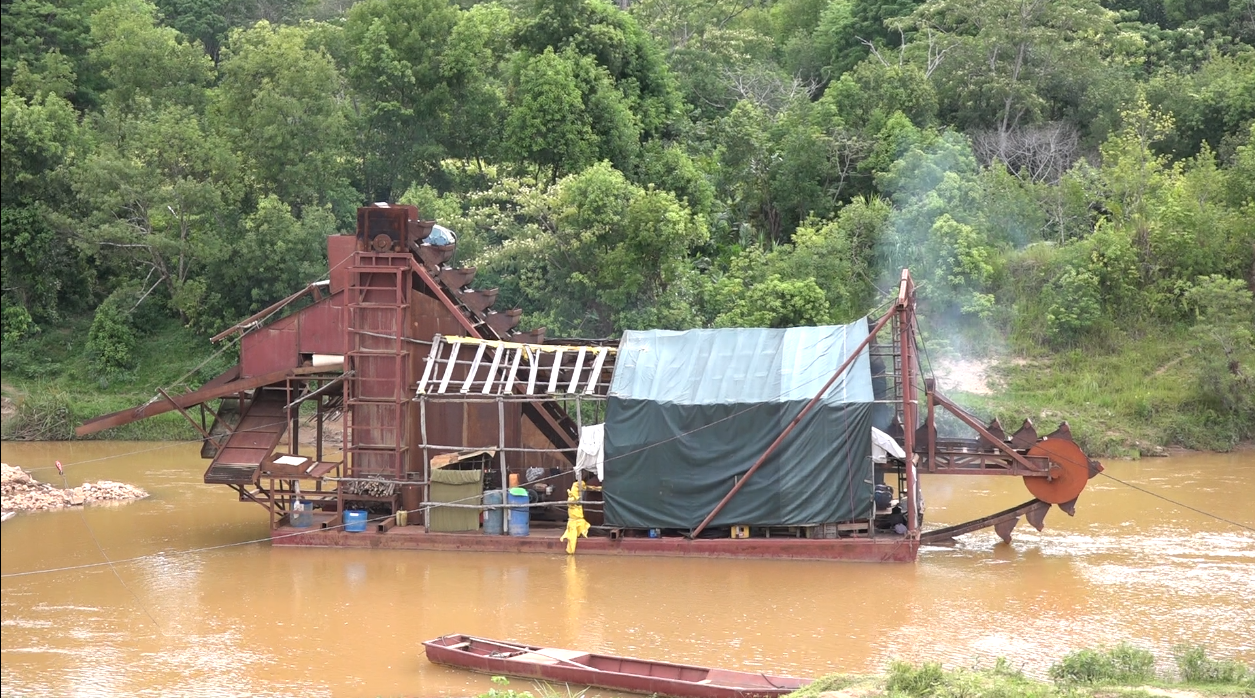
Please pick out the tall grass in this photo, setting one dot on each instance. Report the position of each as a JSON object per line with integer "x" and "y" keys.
{"x": 1123, "y": 664}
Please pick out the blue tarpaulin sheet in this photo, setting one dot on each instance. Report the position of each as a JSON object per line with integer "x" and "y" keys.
{"x": 689, "y": 413}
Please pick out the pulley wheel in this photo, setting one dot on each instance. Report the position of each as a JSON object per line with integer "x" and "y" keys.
{"x": 1068, "y": 479}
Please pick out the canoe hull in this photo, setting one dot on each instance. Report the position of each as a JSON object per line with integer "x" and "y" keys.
{"x": 604, "y": 671}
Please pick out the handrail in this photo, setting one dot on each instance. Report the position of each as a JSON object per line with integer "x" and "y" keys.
{"x": 258, "y": 317}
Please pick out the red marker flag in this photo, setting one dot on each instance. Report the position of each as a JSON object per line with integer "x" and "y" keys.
{"x": 59, "y": 468}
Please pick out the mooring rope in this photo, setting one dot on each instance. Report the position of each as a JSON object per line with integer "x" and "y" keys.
{"x": 1183, "y": 505}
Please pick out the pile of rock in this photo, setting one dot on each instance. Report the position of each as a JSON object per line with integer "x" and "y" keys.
{"x": 21, "y": 492}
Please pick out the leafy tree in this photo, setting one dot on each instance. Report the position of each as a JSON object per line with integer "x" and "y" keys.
{"x": 397, "y": 68}
{"x": 275, "y": 255}
{"x": 472, "y": 65}
{"x": 852, "y": 27}
{"x": 548, "y": 125}
{"x": 1212, "y": 105}
{"x": 778, "y": 302}
{"x": 605, "y": 255}
{"x": 871, "y": 92}
{"x": 48, "y": 37}
{"x": 40, "y": 139}
{"x": 1074, "y": 305}
{"x": 161, "y": 202}
{"x": 1225, "y": 352}
{"x": 112, "y": 337}
{"x": 281, "y": 106}
{"x": 144, "y": 64}
{"x": 614, "y": 40}
{"x": 1003, "y": 64}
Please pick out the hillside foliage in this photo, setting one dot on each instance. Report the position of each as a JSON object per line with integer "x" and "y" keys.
{"x": 1062, "y": 176}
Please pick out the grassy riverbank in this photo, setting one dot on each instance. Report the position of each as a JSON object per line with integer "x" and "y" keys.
{"x": 1133, "y": 397}
{"x": 1122, "y": 671}
{"x": 51, "y": 385}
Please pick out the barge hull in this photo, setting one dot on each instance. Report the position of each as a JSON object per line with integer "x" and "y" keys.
{"x": 889, "y": 548}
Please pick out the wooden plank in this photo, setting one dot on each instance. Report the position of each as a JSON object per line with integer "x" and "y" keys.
{"x": 514, "y": 370}
{"x": 470, "y": 375}
{"x": 595, "y": 376}
{"x": 448, "y": 369}
{"x": 579, "y": 367}
{"x": 431, "y": 362}
{"x": 534, "y": 359}
{"x": 553, "y": 372}
{"x": 492, "y": 370}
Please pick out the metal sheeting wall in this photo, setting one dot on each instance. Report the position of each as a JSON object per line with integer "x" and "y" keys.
{"x": 690, "y": 412}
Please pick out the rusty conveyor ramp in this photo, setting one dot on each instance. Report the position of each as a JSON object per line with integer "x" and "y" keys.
{"x": 251, "y": 441}
{"x": 1002, "y": 522}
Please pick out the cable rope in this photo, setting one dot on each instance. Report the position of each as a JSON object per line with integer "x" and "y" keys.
{"x": 1183, "y": 505}
{"x": 96, "y": 541}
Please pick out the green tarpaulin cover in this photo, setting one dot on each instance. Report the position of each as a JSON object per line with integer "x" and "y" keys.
{"x": 455, "y": 486}
{"x": 689, "y": 413}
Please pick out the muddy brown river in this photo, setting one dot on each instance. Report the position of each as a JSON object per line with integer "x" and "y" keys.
{"x": 243, "y": 618}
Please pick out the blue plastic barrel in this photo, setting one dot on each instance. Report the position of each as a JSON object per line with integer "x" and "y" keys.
{"x": 354, "y": 520}
{"x": 302, "y": 515}
{"x": 493, "y": 517}
{"x": 519, "y": 516}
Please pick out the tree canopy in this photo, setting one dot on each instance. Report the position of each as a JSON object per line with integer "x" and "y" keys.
{"x": 1058, "y": 174}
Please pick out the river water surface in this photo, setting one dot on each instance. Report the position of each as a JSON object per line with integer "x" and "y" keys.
{"x": 250, "y": 619}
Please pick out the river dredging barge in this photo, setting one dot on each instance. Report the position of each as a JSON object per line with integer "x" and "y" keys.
{"x": 438, "y": 426}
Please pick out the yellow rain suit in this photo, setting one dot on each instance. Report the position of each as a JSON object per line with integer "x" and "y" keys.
{"x": 576, "y": 526}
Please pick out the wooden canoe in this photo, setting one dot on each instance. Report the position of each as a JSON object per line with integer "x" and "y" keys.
{"x": 604, "y": 671}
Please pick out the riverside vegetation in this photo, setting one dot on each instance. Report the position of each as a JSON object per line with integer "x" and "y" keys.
{"x": 1123, "y": 671}
{"x": 1072, "y": 182}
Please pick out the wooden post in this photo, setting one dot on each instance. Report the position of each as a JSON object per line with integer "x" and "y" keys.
{"x": 422, "y": 427}
{"x": 906, "y": 348}
{"x": 505, "y": 471}
{"x": 318, "y": 417}
{"x": 295, "y": 446}
{"x": 579, "y": 435}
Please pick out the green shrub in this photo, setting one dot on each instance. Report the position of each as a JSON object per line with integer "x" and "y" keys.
{"x": 1196, "y": 667}
{"x": 111, "y": 339}
{"x": 1122, "y": 664}
{"x": 1074, "y": 306}
{"x": 15, "y": 322}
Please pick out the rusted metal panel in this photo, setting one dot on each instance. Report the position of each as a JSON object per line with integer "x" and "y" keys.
{"x": 321, "y": 327}
{"x": 340, "y": 249}
{"x": 269, "y": 349}
{"x": 388, "y": 228}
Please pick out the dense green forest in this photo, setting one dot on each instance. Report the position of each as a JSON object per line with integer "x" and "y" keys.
{"x": 1071, "y": 181}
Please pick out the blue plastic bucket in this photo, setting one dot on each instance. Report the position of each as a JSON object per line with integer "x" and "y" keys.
{"x": 302, "y": 515}
{"x": 354, "y": 520}
{"x": 519, "y": 516}
{"x": 493, "y": 517}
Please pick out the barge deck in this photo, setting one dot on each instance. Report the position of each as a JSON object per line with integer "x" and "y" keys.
{"x": 886, "y": 547}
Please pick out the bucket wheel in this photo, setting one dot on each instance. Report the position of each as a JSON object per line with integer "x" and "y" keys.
{"x": 1067, "y": 479}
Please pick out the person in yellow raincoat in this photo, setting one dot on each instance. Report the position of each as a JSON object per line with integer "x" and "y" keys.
{"x": 576, "y": 526}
